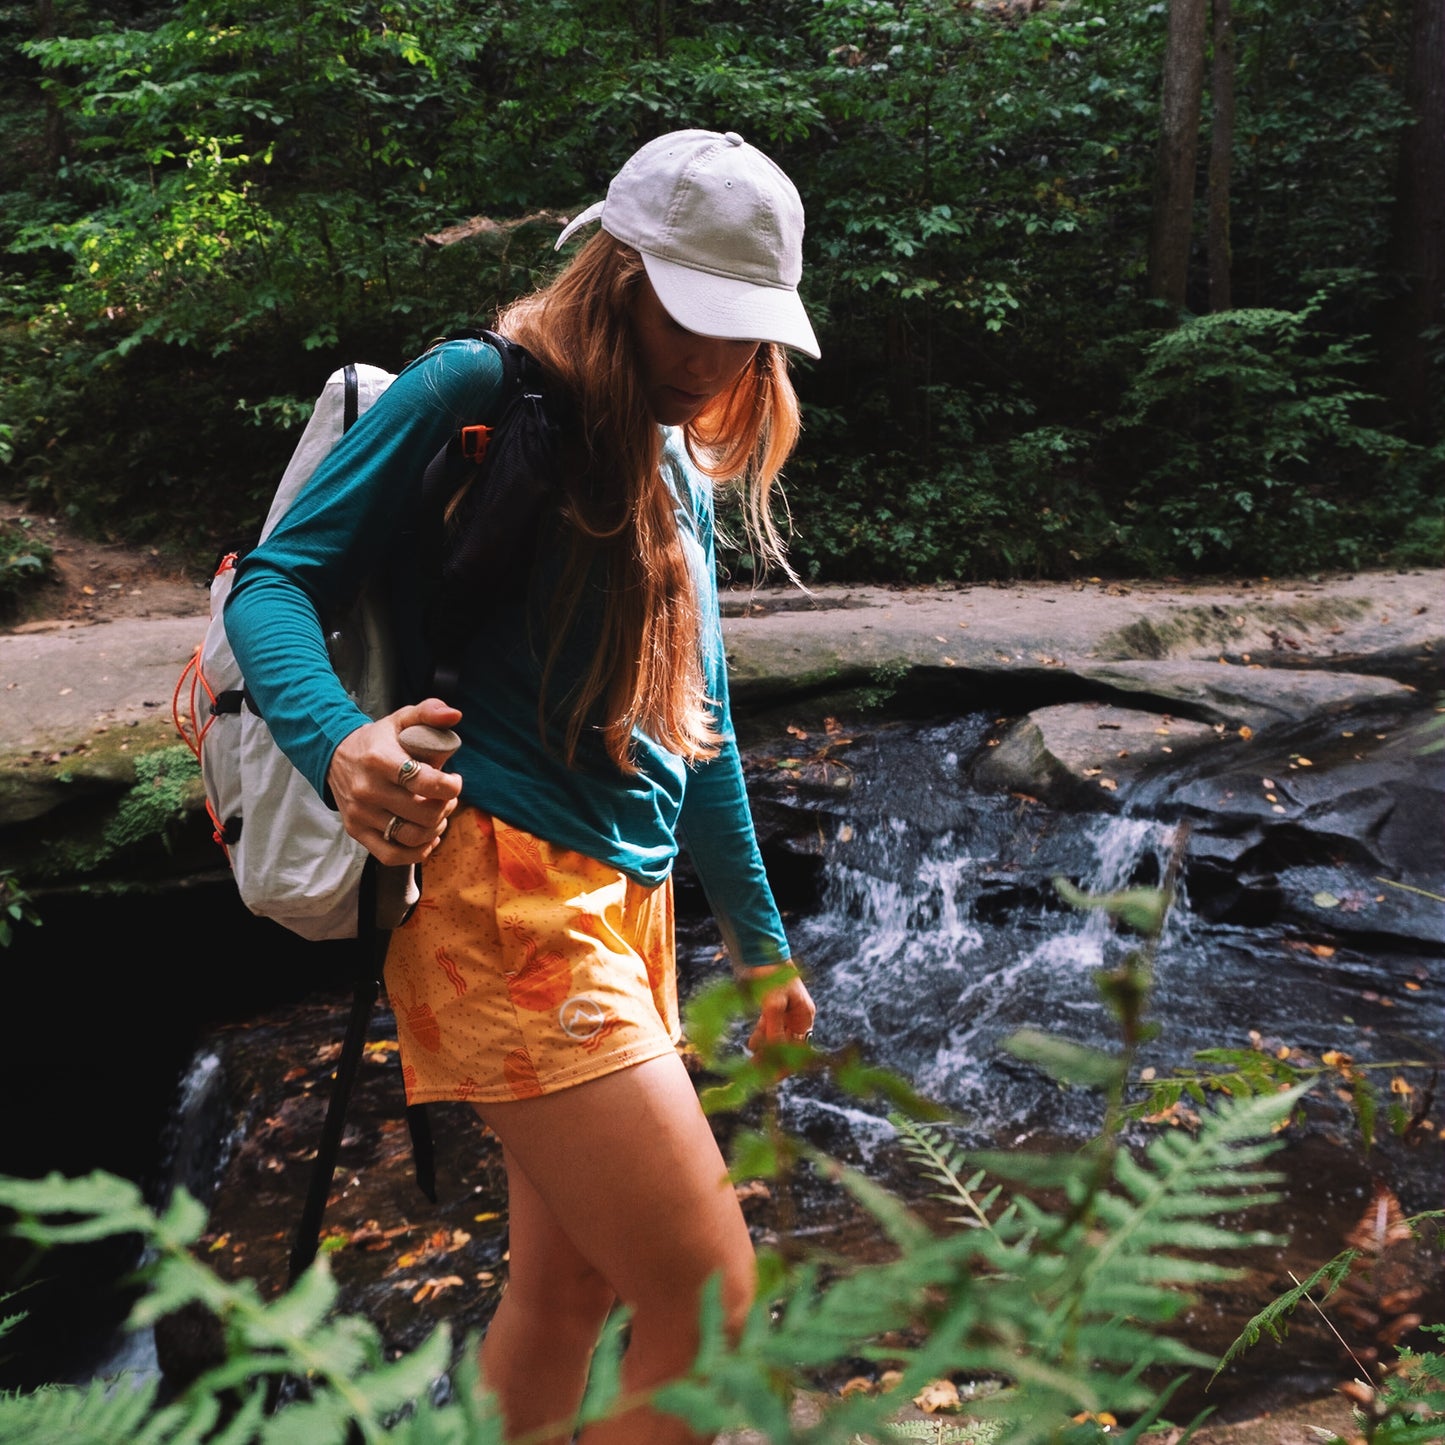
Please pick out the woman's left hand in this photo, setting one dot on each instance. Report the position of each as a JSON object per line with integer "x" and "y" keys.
{"x": 787, "y": 1011}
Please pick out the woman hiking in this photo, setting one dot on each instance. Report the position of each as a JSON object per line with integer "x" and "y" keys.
{"x": 536, "y": 979}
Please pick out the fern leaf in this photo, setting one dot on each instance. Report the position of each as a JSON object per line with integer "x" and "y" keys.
{"x": 97, "y": 1414}
{"x": 944, "y": 1163}
{"x": 1267, "y": 1320}
{"x": 899, "y": 1222}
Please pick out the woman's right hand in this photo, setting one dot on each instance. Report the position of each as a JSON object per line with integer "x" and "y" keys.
{"x": 373, "y": 796}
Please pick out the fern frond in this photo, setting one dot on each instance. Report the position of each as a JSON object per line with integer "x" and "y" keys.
{"x": 96, "y": 1414}
{"x": 1330, "y": 1274}
{"x": 943, "y": 1162}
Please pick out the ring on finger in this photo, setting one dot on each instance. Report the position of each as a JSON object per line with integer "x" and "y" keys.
{"x": 388, "y": 833}
{"x": 408, "y": 770}
{"x": 803, "y": 1038}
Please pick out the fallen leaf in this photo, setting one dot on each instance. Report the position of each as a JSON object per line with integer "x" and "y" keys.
{"x": 1177, "y": 1116}
{"x": 1322, "y": 950}
{"x": 940, "y": 1395}
{"x": 1246, "y": 733}
{"x": 858, "y": 1385}
{"x": 1109, "y": 783}
{"x": 1326, "y": 900}
{"x": 431, "y": 1288}
{"x": 797, "y": 732}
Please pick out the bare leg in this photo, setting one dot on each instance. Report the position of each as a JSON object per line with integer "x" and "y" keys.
{"x": 625, "y": 1170}
{"x": 540, "y": 1341}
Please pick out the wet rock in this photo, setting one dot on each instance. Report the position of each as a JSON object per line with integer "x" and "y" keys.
{"x": 1078, "y": 755}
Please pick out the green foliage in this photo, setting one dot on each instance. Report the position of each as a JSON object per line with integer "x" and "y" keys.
{"x": 165, "y": 782}
{"x": 349, "y": 1383}
{"x": 1241, "y": 1073}
{"x": 1410, "y": 1406}
{"x": 1067, "y": 1306}
{"x": 208, "y": 208}
{"x": 1407, "y": 1406}
{"x": 15, "y": 907}
{"x": 24, "y": 560}
{"x": 1244, "y": 426}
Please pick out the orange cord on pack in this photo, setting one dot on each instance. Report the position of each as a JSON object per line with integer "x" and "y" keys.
{"x": 193, "y": 732}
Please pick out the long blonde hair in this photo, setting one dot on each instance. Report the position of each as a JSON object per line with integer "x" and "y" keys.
{"x": 646, "y": 672}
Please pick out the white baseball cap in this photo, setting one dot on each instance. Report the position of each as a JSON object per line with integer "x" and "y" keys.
{"x": 720, "y": 230}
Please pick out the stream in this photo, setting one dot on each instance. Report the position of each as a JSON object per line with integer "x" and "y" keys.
{"x": 924, "y": 912}
{"x": 937, "y": 933}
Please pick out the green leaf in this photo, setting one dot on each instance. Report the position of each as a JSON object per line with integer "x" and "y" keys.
{"x": 1070, "y": 1063}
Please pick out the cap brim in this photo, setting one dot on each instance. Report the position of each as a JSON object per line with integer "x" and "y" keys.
{"x": 724, "y": 307}
{"x": 592, "y": 213}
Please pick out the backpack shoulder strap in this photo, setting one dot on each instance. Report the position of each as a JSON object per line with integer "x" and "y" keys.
{"x": 482, "y": 501}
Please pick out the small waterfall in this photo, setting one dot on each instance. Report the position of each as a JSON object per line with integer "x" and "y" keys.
{"x": 196, "y": 1148}
{"x": 202, "y": 1132}
{"x": 905, "y": 961}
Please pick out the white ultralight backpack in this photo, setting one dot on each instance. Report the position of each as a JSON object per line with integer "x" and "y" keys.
{"x": 292, "y": 859}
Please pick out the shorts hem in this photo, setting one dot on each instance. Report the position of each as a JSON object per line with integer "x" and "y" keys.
{"x": 555, "y": 1083}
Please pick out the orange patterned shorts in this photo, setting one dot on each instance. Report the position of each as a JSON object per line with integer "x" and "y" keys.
{"x": 527, "y": 968}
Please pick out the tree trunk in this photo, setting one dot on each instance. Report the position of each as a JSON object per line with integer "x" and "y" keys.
{"x": 57, "y": 140}
{"x": 1221, "y": 152}
{"x": 1418, "y": 229}
{"x": 1173, "y": 216}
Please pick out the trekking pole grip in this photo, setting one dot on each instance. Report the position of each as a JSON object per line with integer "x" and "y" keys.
{"x": 429, "y": 745}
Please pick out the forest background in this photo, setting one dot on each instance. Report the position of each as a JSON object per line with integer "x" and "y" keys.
{"x": 1102, "y": 286}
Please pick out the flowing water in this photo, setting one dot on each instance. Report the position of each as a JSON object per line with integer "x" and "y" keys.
{"x": 937, "y": 933}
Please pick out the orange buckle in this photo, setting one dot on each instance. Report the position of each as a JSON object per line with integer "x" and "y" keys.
{"x": 474, "y": 442}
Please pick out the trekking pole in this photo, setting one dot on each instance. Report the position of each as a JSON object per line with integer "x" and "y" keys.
{"x": 428, "y": 745}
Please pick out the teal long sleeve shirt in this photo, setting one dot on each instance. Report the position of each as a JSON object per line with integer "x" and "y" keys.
{"x": 343, "y": 530}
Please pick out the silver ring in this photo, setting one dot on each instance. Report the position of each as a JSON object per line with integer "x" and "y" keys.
{"x": 388, "y": 833}
{"x": 408, "y": 770}
{"x": 806, "y": 1038}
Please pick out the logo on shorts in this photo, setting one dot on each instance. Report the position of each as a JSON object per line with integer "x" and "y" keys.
{"x": 581, "y": 1017}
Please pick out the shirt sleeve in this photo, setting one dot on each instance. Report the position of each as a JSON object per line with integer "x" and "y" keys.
{"x": 337, "y": 535}
{"x": 716, "y": 824}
